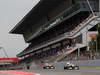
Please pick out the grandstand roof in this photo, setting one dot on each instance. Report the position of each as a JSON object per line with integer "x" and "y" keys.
{"x": 36, "y": 13}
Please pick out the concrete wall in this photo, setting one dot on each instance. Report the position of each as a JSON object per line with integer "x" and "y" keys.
{"x": 82, "y": 63}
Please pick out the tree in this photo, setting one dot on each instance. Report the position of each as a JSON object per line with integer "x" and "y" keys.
{"x": 98, "y": 37}
{"x": 92, "y": 45}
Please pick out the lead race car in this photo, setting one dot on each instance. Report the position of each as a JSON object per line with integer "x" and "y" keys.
{"x": 70, "y": 66}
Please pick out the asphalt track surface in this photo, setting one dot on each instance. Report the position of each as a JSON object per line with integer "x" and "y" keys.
{"x": 82, "y": 71}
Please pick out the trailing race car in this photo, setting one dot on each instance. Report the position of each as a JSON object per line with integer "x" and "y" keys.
{"x": 48, "y": 66}
{"x": 70, "y": 66}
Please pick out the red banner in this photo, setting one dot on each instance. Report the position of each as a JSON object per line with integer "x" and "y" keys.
{"x": 92, "y": 35}
{"x": 6, "y": 60}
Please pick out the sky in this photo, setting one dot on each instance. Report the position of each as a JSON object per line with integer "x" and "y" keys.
{"x": 11, "y": 12}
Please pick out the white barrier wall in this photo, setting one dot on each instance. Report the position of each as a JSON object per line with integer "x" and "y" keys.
{"x": 81, "y": 63}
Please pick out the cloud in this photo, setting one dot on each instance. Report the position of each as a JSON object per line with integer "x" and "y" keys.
{"x": 11, "y": 12}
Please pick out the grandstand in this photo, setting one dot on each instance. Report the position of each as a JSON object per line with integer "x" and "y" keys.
{"x": 57, "y": 30}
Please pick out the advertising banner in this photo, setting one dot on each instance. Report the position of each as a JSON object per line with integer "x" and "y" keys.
{"x": 11, "y": 60}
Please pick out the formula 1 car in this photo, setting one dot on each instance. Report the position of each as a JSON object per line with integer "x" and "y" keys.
{"x": 48, "y": 66}
{"x": 70, "y": 66}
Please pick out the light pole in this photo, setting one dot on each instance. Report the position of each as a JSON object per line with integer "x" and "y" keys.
{"x": 78, "y": 52}
{"x": 91, "y": 9}
{"x": 4, "y": 51}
